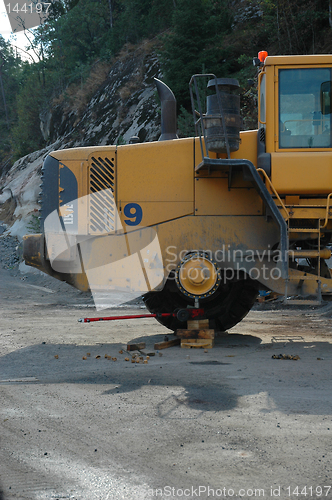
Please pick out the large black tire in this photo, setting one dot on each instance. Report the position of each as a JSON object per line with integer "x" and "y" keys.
{"x": 225, "y": 308}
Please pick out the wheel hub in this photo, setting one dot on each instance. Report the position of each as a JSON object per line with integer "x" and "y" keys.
{"x": 197, "y": 275}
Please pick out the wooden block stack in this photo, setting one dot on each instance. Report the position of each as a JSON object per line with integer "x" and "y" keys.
{"x": 197, "y": 335}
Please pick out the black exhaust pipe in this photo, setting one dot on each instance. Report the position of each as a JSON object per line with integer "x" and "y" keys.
{"x": 168, "y": 111}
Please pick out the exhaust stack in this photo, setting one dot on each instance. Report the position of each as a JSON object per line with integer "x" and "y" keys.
{"x": 168, "y": 111}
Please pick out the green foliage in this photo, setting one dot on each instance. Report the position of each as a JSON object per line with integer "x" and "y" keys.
{"x": 91, "y": 29}
{"x": 26, "y": 135}
{"x": 76, "y": 34}
{"x": 294, "y": 26}
{"x": 247, "y": 70}
{"x": 120, "y": 141}
{"x": 81, "y": 31}
{"x": 33, "y": 225}
{"x": 212, "y": 36}
{"x": 196, "y": 39}
{"x": 186, "y": 127}
{"x": 9, "y": 86}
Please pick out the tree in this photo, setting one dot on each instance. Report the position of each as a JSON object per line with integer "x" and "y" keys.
{"x": 26, "y": 134}
{"x": 11, "y": 68}
{"x": 294, "y": 26}
{"x": 195, "y": 42}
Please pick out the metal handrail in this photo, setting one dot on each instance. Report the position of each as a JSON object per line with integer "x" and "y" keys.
{"x": 260, "y": 170}
{"x": 327, "y": 211}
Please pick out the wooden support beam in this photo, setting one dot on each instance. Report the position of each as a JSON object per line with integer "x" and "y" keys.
{"x": 136, "y": 347}
{"x": 195, "y": 334}
{"x": 168, "y": 343}
{"x": 197, "y": 343}
{"x": 198, "y": 324}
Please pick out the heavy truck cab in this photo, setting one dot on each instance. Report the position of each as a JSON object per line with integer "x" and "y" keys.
{"x": 298, "y": 125}
{"x": 297, "y": 132}
{"x": 206, "y": 220}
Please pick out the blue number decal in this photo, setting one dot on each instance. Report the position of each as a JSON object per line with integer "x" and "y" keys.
{"x": 134, "y": 212}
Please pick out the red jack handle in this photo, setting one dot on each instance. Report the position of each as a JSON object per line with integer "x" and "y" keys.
{"x": 181, "y": 315}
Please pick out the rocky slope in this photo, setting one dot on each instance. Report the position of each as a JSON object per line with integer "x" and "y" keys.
{"x": 124, "y": 105}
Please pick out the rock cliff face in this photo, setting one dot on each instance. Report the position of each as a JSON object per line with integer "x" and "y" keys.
{"x": 124, "y": 105}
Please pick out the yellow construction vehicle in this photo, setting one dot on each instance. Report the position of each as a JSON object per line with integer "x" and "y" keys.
{"x": 206, "y": 221}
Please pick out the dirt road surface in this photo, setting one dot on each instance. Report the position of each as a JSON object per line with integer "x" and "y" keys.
{"x": 228, "y": 423}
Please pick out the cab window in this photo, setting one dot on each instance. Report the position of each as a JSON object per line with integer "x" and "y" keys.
{"x": 304, "y": 108}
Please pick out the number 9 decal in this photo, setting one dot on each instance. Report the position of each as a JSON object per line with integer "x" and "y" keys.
{"x": 134, "y": 213}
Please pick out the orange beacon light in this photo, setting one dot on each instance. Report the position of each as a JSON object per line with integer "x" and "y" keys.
{"x": 262, "y": 55}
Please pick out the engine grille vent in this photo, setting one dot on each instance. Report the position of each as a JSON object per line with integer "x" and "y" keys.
{"x": 102, "y": 208}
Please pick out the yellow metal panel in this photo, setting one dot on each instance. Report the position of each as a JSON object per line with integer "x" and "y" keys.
{"x": 307, "y": 213}
{"x": 198, "y": 151}
{"x": 80, "y": 154}
{"x": 317, "y": 59}
{"x": 313, "y": 201}
{"x": 155, "y": 212}
{"x": 212, "y": 197}
{"x": 159, "y": 177}
{"x": 302, "y": 173}
{"x": 248, "y": 147}
{"x": 156, "y": 171}
{"x": 292, "y": 200}
{"x": 247, "y": 150}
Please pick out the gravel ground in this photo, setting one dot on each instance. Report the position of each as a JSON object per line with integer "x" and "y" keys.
{"x": 230, "y": 422}
{"x": 9, "y": 256}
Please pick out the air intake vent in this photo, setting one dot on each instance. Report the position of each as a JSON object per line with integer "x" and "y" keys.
{"x": 261, "y": 133}
{"x": 102, "y": 209}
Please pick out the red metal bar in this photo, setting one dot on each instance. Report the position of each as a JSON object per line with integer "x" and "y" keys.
{"x": 113, "y": 318}
{"x": 192, "y": 313}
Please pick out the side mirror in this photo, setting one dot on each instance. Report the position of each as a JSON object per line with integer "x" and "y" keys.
{"x": 325, "y": 98}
